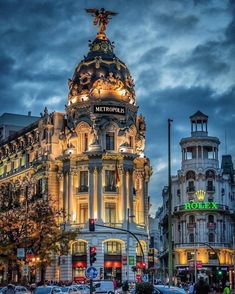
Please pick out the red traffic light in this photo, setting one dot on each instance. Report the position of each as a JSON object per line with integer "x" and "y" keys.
{"x": 93, "y": 249}
{"x": 143, "y": 264}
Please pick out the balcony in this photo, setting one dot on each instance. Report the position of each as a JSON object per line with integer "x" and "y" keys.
{"x": 191, "y": 225}
{"x": 81, "y": 189}
{"x": 191, "y": 189}
{"x": 211, "y": 225}
{"x": 210, "y": 189}
{"x": 202, "y": 245}
{"x": 112, "y": 189}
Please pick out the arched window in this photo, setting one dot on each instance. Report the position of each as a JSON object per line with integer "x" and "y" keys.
{"x": 79, "y": 248}
{"x": 210, "y": 174}
{"x": 210, "y": 218}
{"x": 190, "y": 175}
{"x": 191, "y": 219}
{"x": 191, "y": 238}
{"x": 211, "y": 237}
{"x": 113, "y": 247}
{"x": 138, "y": 249}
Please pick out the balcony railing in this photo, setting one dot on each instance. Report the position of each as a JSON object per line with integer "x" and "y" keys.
{"x": 211, "y": 225}
{"x": 202, "y": 245}
{"x": 210, "y": 189}
{"x": 191, "y": 189}
{"x": 191, "y": 225}
{"x": 82, "y": 189}
{"x": 112, "y": 189}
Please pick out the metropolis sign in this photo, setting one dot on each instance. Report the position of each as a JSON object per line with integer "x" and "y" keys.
{"x": 109, "y": 109}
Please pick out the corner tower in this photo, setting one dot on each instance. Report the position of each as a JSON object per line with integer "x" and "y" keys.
{"x": 104, "y": 172}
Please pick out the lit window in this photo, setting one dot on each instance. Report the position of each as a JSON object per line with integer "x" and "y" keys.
{"x": 85, "y": 141}
{"x": 83, "y": 181}
{"x": 79, "y": 248}
{"x": 112, "y": 247}
{"x": 110, "y": 141}
{"x": 131, "y": 141}
{"x": 110, "y": 213}
{"x": 83, "y": 213}
{"x": 110, "y": 181}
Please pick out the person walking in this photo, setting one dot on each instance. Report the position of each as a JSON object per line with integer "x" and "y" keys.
{"x": 201, "y": 287}
{"x": 191, "y": 288}
{"x": 227, "y": 288}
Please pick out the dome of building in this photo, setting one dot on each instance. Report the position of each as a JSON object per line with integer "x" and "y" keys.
{"x": 101, "y": 75}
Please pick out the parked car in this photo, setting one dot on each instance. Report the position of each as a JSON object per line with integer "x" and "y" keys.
{"x": 47, "y": 290}
{"x": 70, "y": 290}
{"x": 18, "y": 290}
{"x": 164, "y": 289}
{"x": 104, "y": 286}
{"x": 83, "y": 289}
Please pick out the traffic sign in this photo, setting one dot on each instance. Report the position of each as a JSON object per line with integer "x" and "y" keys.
{"x": 131, "y": 260}
{"x": 124, "y": 260}
{"x": 199, "y": 264}
{"x": 20, "y": 253}
{"x": 26, "y": 269}
{"x": 91, "y": 273}
{"x": 144, "y": 278}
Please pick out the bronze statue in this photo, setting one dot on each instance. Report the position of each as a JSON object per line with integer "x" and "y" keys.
{"x": 101, "y": 17}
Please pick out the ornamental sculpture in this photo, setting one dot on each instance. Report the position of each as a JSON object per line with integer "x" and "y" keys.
{"x": 101, "y": 17}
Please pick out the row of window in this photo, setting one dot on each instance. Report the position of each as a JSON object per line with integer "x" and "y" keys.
{"x": 110, "y": 247}
{"x": 110, "y": 181}
{"x": 211, "y": 255}
{"x": 211, "y": 238}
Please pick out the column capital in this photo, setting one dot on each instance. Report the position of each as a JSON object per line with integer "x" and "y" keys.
{"x": 91, "y": 169}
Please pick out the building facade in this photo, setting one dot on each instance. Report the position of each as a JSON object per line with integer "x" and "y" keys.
{"x": 91, "y": 161}
{"x": 202, "y": 208}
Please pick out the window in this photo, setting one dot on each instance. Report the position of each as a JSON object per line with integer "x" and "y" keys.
{"x": 110, "y": 213}
{"x": 210, "y": 218}
{"x": 191, "y": 219}
{"x": 191, "y": 238}
{"x": 131, "y": 141}
{"x": 190, "y": 255}
{"x": 83, "y": 181}
{"x": 85, "y": 141}
{"x": 191, "y": 187}
{"x": 83, "y": 213}
{"x": 79, "y": 248}
{"x": 110, "y": 181}
{"x": 110, "y": 141}
{"x": 212, "y": 255}
{"x": 210, "y": 186}
{"x": 211, "y": 237}
{"x": 112, "y": 247}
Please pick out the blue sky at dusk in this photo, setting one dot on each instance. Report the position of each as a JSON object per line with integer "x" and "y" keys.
{"x": 181, "y": 54}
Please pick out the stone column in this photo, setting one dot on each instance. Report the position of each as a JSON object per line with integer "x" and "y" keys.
{"x": 65, "y": 193}
{"x": 99, "y": 193}
{"x": 124, "y": 195}
{"x": 131, "y": 196}
{"x": 142, "y": 200}
{"x": 70, "y": 189}
{"x": 91, "y": 192}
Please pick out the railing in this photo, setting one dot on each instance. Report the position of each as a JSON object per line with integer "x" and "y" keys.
{"x": 112, "y": 189}
{"x": 191, "y": 189}
{"x": 201, "y": 245}
{"x": 210, "y": 189}
{"x": 114, "y": 225}
{"x": 191, "y": 225}
{"x": 81, "y": 189}
{"x": 211, "y": 225}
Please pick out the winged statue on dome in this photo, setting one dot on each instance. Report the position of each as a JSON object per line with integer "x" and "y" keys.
{"x": 101, "y": 17}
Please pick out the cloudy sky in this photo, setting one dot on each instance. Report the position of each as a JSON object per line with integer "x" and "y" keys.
{"x": 181, "y": 54}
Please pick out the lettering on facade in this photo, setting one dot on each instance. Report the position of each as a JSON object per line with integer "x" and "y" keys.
{"x": 107, "y": 109}
{"x": 200, "y": 205}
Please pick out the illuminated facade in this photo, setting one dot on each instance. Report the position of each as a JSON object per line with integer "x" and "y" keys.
{"x": 91, "y": 161}
{"x": 203, "y": 206}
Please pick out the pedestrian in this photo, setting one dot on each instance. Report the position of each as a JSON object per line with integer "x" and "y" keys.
{"x": 10, "y": 289}
{"x": 227, "y": 288}
{"x": 191, "y": 288}
{"x": 201, "y": 287}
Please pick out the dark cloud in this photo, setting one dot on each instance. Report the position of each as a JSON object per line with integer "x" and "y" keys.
{"x": 180, "y": 52}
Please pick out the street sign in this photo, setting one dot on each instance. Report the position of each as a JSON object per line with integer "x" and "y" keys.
{"x": 91, "y": 273}
{"x": 199, "y": 264}
{"x": 26, "y": 269}
{"x": 20, "y": 253}
{"x": 144, "y": 278}
{"x": 124, "y": 260}
{"x": 131, "y": 260}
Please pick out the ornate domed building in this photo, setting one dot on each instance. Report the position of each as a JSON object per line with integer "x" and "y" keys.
{"x": 94, "y": 165}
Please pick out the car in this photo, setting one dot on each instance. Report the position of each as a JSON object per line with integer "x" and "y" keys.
{"x": 70, "y": 290}
{"x": 165, "y": 289}
{"x": 83, "y": 289}
{"x": 104, "y": 286}
{"x": 18, "y": 290}
{"x": 47, "y": 290}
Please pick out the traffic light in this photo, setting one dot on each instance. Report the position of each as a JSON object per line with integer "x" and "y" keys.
{"x": 91, "y": 224}
{"x": 92, "y": 255}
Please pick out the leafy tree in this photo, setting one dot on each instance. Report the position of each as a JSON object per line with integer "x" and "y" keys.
{"x": 29, "y": 221}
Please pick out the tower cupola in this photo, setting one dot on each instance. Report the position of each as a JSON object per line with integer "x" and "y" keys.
{"x": 199, "y": 124}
